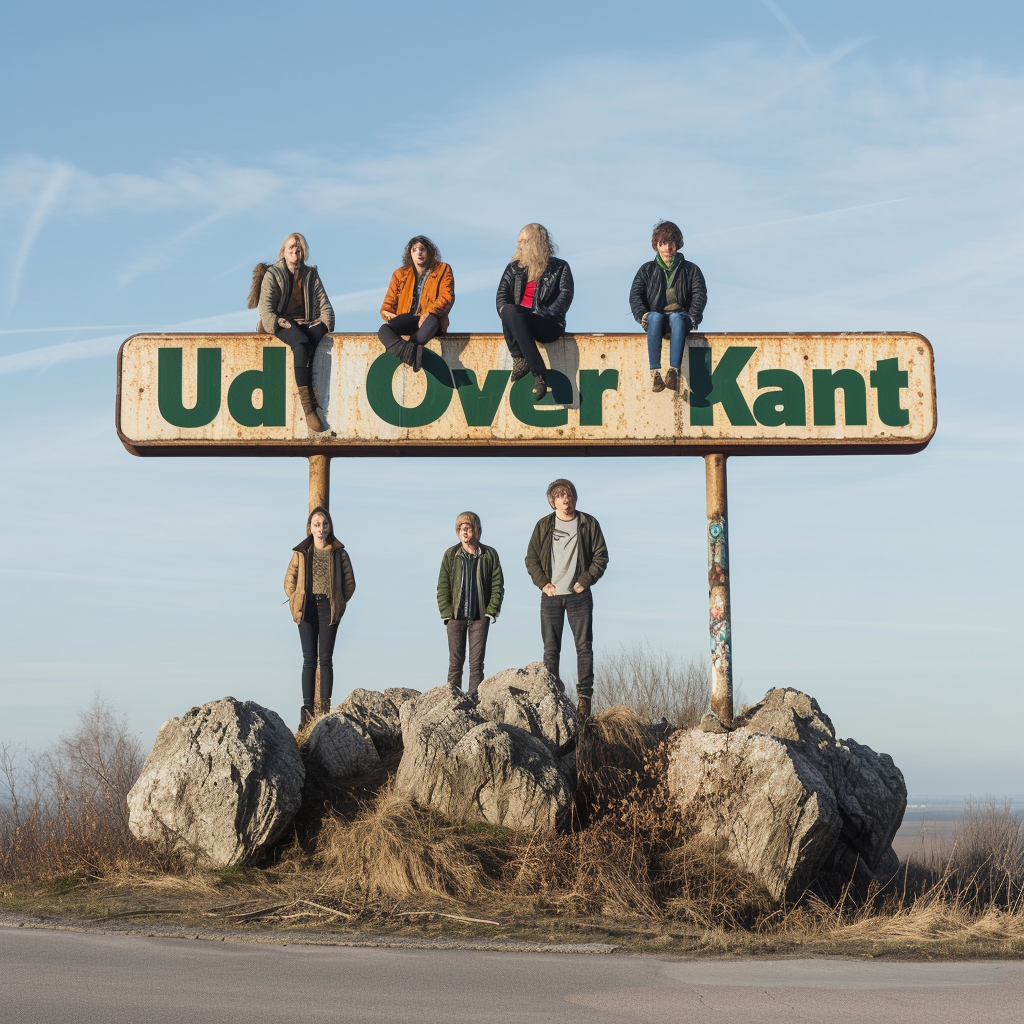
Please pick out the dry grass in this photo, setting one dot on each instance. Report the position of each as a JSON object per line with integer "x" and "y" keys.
{"x": 630, "y": 870}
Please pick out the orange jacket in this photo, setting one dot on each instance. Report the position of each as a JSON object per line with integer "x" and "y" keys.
{"x": 437, "y": 295}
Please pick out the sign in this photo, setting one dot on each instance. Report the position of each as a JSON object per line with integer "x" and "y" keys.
{"x": 234, "y": 394}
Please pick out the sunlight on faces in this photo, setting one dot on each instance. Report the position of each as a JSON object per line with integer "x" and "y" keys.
{"x": 468, "y": 534}
{"x": 563, "y": 503}
{"x": 320, "y": 528}
{"x": 420, "y": 256}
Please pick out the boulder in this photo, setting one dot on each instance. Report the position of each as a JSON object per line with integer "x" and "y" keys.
{"x": 793, "y": 804}
{"x": 531, "y": 699}
{"x": 220, "y": 784}
{"x": 339, "y": 748}
{"x": 377, "y": 713}
{"x": 470, "y": 769}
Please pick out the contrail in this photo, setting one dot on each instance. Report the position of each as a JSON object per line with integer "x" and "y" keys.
{"x": 788, "y": 25}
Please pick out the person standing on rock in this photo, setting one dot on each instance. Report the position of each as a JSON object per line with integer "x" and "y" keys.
{"x": 419, "y": 298}
{"x": 319, "y": 584}
{"x": 470, "y": 588}
{"x": 566, "y": 557}
{"x": 294, "y": 307}
{"x": 533, "y": 297}
{"x": 667, "y": 300}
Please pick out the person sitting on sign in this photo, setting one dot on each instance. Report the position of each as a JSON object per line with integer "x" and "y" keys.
{"x": 534, "y": 295}
{"x": 319, "y": 584}
{"x": 294, "y": 307}
{"x": 470, "y": 587}
{"x": 419, "y": 299}
{"x": 667, "y": 300}
{"x": 566, "y": 556}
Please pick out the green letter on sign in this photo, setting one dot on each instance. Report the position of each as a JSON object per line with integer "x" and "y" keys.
{"x": 520, "y": 400}
{"x": 381, "y": 396}
{"x": 887, "y": 379}
{"x": 707, "y": 389}
{"x": 855, "y": 406}
{"x": 269, "y": 380}
{"x": 169, "y": 387}
{"x": 790, "y": 396}
{"x": 480, "y": 405}
{"x": 593, "y": 385}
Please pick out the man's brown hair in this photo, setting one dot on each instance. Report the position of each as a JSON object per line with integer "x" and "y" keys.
{"x": 433, "y": 254}
{"x": 666, "y": 231}
{"x": 558, "y": 485}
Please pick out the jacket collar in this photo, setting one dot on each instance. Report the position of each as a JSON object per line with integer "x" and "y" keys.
{"x": 304, "y": 545}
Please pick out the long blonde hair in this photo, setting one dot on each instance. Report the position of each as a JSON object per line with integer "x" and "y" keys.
{"x": 534, "y": 249}
{"x": 302, "y": 242}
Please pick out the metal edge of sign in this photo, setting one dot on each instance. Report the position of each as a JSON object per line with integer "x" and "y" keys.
{"x": 523, "y": 449}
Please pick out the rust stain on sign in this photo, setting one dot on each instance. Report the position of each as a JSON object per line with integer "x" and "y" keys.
{"x": 234, "y": 394}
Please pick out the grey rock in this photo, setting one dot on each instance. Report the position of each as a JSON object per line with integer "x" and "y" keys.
{"x": 339, "y": 748}
{"x": 377, "y": 713}
{"x": 221, "y": 783}
{"x": 470, "y": 769}
{"x": 398, "y": 695}
{"x": 793, "y": 804}
{"x": 531, "y": 699}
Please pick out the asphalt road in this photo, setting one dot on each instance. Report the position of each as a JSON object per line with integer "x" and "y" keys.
{"x": 56, "y": 976}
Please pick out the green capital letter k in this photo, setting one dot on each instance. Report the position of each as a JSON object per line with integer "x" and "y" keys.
{"x": 708, "y": 389}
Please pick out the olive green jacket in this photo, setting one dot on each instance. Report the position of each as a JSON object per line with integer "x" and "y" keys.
{"x": 591, "y": 553}
{"x": 490, "y": 584}
{"x": 276, "y": 290}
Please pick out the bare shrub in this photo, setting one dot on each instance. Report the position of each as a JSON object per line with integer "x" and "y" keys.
{"x": 656, "y": 684}
{"x": 66, "y": 809}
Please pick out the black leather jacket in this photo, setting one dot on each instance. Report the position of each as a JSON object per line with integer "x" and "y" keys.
{"x": 648, "y": 292}
{"x": 554, "y": 289}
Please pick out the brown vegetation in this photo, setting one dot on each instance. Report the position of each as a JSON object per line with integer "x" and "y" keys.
{"x": 631, "y": 870}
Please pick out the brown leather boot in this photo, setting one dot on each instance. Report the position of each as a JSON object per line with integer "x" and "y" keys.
{"x": 323, "y": 708}
{"x": 309, "y": 408}
{"x": 583, "y": 710}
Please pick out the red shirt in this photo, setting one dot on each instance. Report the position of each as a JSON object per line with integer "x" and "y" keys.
{"x": 528, "y": 292}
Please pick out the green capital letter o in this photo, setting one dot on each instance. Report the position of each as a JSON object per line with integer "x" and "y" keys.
{"x": 381, "y": 396}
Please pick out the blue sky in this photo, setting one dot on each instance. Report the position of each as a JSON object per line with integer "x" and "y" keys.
{"x": 833, "y": 167}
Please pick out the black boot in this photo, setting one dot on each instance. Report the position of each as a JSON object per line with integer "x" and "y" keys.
{"x": 540, "y": 387}
{"x": 305, "y": 716}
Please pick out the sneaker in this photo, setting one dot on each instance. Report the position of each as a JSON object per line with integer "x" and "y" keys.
{"x": 520, "y": 368}
{"x": 657, "y": 384}
{"x": 540, "y": 387}
{"x": 672, "y": 379}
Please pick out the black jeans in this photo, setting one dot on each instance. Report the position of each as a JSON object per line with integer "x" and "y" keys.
{"x": 302, "y": 339}
{"x": 458, "y": 630}
{"x": 579, "y": 609}
{"x": 409, "y": 324}
{"x": 523, "y": 329}
{"x": 317, "y": 636}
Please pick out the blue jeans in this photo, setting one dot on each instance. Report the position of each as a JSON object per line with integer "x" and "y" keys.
{"x": 679, "y": 324}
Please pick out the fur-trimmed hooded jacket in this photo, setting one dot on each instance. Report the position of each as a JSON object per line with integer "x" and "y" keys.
{"x": 298, "y": 580}
{"x": 276, "y": 290}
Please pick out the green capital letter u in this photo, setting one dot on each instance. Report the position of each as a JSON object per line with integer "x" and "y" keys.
{"x": 169, "y": 387}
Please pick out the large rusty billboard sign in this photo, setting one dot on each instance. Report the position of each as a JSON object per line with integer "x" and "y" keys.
{"x": 233, "y": 394}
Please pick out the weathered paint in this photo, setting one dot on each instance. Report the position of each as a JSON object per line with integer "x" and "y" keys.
{"x": 769, "y": 394}
{"x": 719, "y": 600}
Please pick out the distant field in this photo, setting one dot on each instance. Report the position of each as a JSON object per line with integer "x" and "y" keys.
{"x": 930, "y": 821}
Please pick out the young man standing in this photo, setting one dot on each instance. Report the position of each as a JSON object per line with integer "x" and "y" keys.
{"x": 566, "y": 557}
{"x": 469, "y": 592}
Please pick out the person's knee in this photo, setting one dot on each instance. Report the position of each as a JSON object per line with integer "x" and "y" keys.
{"x": 509, "y": 312}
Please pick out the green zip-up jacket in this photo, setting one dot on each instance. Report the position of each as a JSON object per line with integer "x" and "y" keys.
{"x": 490, "y": 584}
{"x": 591, "y": 553}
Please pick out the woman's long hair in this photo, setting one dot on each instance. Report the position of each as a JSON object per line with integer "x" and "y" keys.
{"x": 302, "y": 242}
{"x": 320, "y": 511}
{"x": 432, "y": 251}
{"x": 534, "y": 249}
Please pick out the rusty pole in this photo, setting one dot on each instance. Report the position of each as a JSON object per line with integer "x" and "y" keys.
{"x": 319, "y": 495}
{"x": 719, "y": 609}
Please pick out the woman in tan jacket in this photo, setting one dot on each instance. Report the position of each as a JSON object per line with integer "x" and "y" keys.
{"x": 319, "y": 584}
{"x": 419, "y": 299}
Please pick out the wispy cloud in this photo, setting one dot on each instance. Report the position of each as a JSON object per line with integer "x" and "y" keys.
{"x": 788, "y": 25}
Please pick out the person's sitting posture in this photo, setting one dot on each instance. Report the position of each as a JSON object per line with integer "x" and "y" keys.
{"x": 419, "y": 299}
{"x": 566, "y": 557}
{"x": 469, "y": 592}
{"x": 667, "y": 300}
{"x": 534, "y": 295}
{"x": 294, "y": 307}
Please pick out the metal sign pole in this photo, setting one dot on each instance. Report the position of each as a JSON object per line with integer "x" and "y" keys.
{"x": 319, "y": 497}
{"x": 719, "y": 607}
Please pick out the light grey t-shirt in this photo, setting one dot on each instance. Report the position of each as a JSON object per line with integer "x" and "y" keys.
{"x": 564, "y": 546}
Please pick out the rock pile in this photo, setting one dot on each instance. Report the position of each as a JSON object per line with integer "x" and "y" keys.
{"x": 220, "y": 784}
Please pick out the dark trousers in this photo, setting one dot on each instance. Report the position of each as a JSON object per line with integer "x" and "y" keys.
{"x": 579, "y": 610}
{"x": 317, "y": 636}
{"x": 523, "y": 329}
{"x": 392, "y": 332}
{"x": 302, "y": 339}
{"x": 458, "y": 630}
